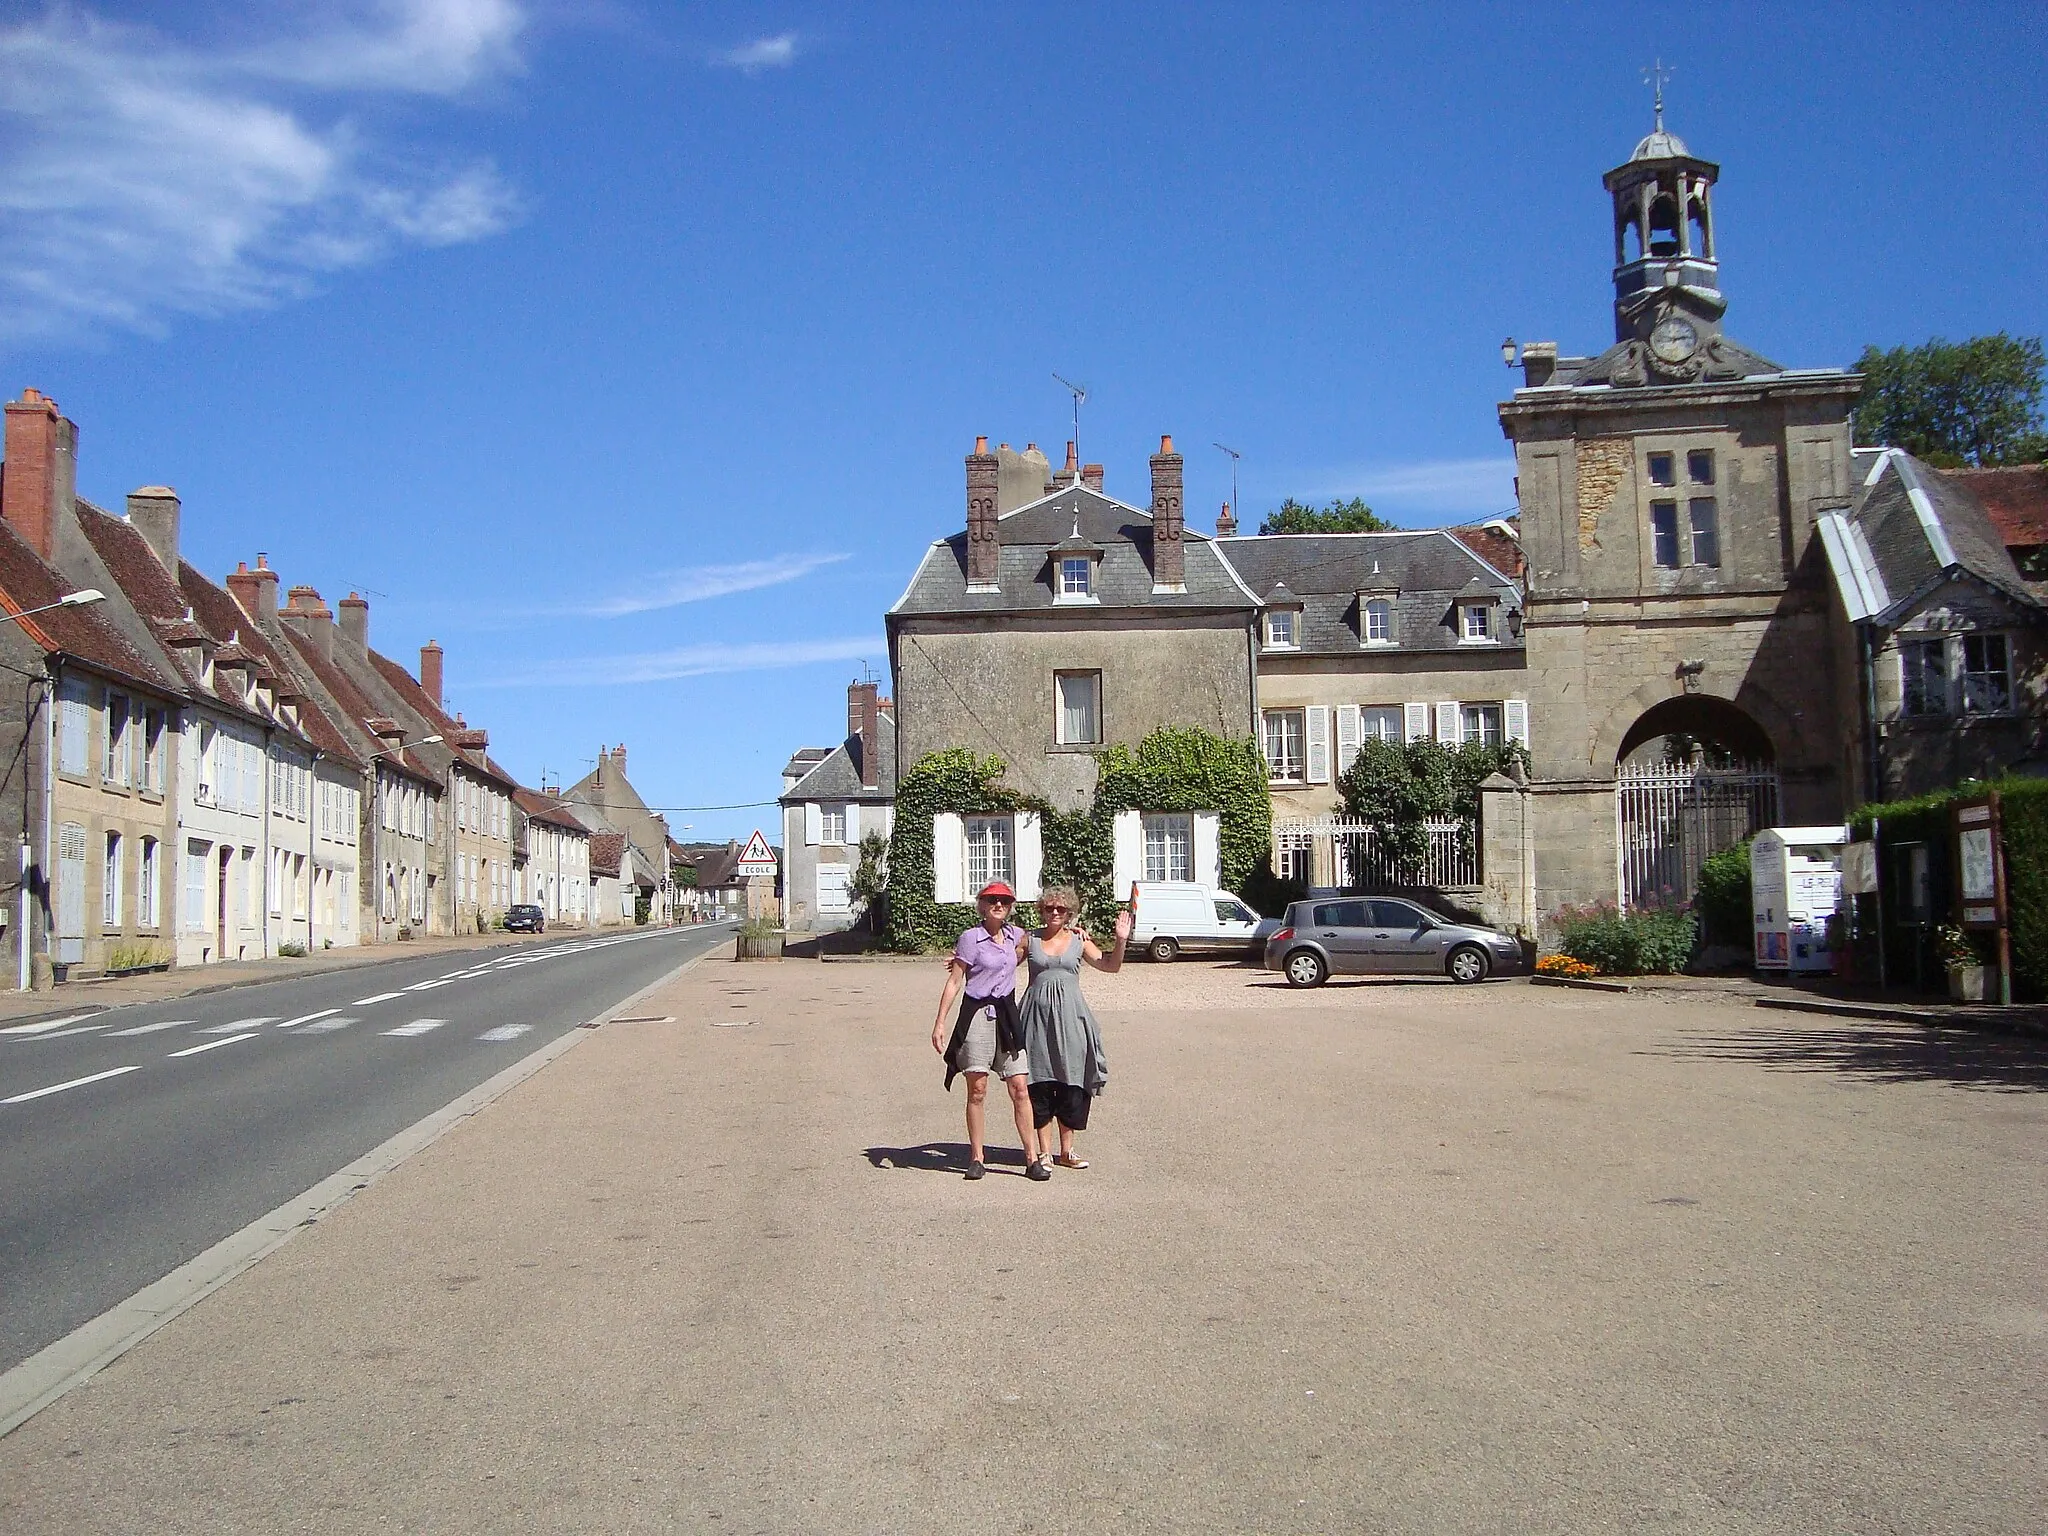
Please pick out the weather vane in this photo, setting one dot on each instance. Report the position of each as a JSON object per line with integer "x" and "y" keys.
{"x": 1655, "y": 76}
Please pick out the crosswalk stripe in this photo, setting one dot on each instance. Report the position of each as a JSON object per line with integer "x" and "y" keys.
{"x": 328, "y": 1026}
{"x": 76, "y": 1082}
{"x": 504, "y": 1032}
{"x": 377, "y": 997}
{"x": 149, "y": 1029}
{"x": 65, "y": 1034}
{"x": 44, "y": 1026}
{"x": 306, "y": 1018}
{"x": 194, "y": 1050}
{"x": 417, "y": 1027}
{"x": 228, "y": 1029}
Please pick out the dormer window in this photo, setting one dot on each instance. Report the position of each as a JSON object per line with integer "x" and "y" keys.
{"x": 1376, "y": 621}
{"x": 1476, "y": 625}
{"x": 1076, "y": 577}
{"x": 1280, "y": 630}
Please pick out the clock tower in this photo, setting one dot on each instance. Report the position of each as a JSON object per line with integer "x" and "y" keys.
{"x": 1667, "y": 282}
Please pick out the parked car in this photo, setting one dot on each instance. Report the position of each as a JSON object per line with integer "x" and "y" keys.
{"x": 525, "y": 918}
{"x": 1172, "y": 916}
{"x": 1381, "y": 936}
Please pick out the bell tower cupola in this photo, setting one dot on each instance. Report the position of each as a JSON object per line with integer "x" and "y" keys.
{"x": 1667, "y": 282}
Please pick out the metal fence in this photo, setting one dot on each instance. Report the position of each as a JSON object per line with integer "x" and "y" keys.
{"x": 1670, "y": 818}
{"x": 1355, "y": 861}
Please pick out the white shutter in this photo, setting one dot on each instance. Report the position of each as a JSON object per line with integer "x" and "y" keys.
{"x": 852, "y": 825}
{"x": 814, "y": 823}
{"x": 1447, "y": 722}
{"x": 1347, "y": 739}
{"x": 1030, "y": 856}
{"x": 1515, "y": 720}
{"x": 1318, "y": 744}
{"x": 1127, "y": 852}
{"x": 949, "y": 857}
{"x": 1209, "y": 849}
{"x": 1414, "y": 722}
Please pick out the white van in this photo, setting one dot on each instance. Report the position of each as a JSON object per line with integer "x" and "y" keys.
{"x": 1172, "y": 916}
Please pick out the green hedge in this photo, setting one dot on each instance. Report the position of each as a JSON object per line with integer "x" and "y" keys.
{"x": 1726, "y": 912}
{"x": 1648, "y": 941}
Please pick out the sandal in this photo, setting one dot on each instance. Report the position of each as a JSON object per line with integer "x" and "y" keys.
{"x": 1070, "y": 1162}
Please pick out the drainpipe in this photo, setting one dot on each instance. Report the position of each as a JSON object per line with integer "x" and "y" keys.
{"x": 312, "y": 854}
{"x": 1873, "y": 775}
{"x": 26, "y": 932}
{"x": 269, "y": 854}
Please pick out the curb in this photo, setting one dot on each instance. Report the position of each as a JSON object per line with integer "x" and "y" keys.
{"x": 1580, "y": 984}
{"x": 75, "y": 1359}
{"x": 1928, "y": 1018}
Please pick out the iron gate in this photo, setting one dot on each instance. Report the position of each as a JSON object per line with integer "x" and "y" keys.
{"x": 1670, "y": 818}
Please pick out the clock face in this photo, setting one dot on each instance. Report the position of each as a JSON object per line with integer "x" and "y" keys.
{"x": 1674, "y": 340}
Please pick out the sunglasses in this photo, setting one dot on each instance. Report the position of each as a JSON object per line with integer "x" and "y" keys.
{"x": 1051, "y": 907}
{"x": 997, "y": 901}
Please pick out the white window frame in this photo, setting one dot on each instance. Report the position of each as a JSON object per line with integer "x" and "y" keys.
{"x": 114, "y": 765}
{"x": 1077, "y": 579}
{"x": 1169, "y": 845}
{"x": 1476, "y": 625}
{"x": 1282, "y": 630}
{"x": 832, "y": 822}
{"x": 1062, "y": 735}
{"x": 1985, "y": 639}
{"x": 1380, "y": 722}
{"x": 1283, "y": 769}
{"x": 148, "y": 872}
{"x": 1377, "y": 621}
{"x": 989, "y": 846}
{"x": 112, "y": 857}
{"x": 1474, "y": 718}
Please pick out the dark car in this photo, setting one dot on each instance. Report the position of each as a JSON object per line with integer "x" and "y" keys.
{"x": 525, "y": 918}
{"x": 1381, "y": 936}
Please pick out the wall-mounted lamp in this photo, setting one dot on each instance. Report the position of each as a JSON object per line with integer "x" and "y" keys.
{"x": 1507, "y": 351}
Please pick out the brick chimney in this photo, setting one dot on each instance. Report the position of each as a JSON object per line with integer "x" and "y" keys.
{"x": 430, "y": 671}
{"x": 153, "y": 513}
{"x": 355, "y": 619}
{"x": 1226, "y": 523}
{"x": 1169, "y": 568}
{"x": 310, "y": 618}
{"x": 864, "y": 725}
{"x": 983, "y": 475}
{"x": 1091, "y": 476}
{"x": 40, "y": 477}
{"x": 1071, "y": 470}
{"x": 256, "y": 591}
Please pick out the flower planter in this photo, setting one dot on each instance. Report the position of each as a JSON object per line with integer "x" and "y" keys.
{"x": 764, "y": 947}
{"x": 1966, "y": 983}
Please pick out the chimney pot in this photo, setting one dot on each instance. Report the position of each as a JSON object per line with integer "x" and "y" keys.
{"x": 981, "y": 445}
{"x": 1226, "y": 523}
{"x": 1165, "y": 442}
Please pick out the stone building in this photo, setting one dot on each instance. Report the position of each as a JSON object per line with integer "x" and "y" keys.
{"x": 832, "y": 797}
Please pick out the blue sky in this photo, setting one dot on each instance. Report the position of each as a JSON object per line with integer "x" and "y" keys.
{"x": 630, "y": 350}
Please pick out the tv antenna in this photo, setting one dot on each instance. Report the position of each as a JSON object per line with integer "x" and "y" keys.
{"x": 1235, "y": 510}
{"x": 1080, "y": 394}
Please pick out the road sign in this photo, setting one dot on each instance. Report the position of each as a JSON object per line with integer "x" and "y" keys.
{"x": 756, "y": 859}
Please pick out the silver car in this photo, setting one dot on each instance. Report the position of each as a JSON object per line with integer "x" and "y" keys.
{"x": 1383, "y": 936}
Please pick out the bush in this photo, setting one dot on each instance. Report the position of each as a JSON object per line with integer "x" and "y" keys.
{"x": 1653, "y": 941}
{"x": 1566, "y": 966}
{"x": 1726, "y": 913}
{"x": 290, "y": 951}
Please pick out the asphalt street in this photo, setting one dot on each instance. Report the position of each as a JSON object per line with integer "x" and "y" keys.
{"x": 133, "y": 1139}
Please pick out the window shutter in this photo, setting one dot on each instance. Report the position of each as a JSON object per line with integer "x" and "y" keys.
{"x": 1347, "y": 741}
{"x": 1209, "y": 849}
{"x": 1127, "y": 852}
{"x": 949, "y": 857}
{"x": 814, "y": 823}
{"x": 852, "y": 825}
{"x": 1447, "y": 722}
{"x": 1414, "y": 722}
{"x": 1318, "y": 752}
{"x": 1030, "y": 855}
{"x": 1515, "y": 720}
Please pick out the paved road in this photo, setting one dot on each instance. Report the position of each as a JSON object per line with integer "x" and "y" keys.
{"x": 133, "y": 1139}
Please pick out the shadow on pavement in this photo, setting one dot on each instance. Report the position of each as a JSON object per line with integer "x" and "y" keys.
{"x": 944, "y": 1157}
{"x": 1882, "y": 1053}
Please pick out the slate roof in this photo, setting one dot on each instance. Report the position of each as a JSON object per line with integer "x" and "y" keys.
{"x": 836, "y": 774}
{"x": 803, "y": 760}
{"x": 85, "y": 633}
{"x": 1326, "y": 572}
{"x": 1028, "y": 535}
{"x": 2015, "y": 499}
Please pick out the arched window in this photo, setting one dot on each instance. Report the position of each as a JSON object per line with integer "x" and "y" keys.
{"x": 1628, "y": 238}
{"x": 1664, "y": 226}
{"x": 1702, "y": 236}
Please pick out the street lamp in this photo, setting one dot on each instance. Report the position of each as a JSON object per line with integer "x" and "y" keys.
{"x": 1507, "y": 351}
{"x": 68, "y": 600}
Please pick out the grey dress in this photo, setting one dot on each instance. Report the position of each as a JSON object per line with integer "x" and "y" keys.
{"x": 1062, "y": 1039}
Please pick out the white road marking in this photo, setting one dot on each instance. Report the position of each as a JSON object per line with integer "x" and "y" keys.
{"x": 60, "y": 1034}
{"x": 228, "y": 1029}
{"x": 428, "y": 986}
{"x": 504, "y": 1032}
{"x": 43, "y": 1026}
{"x": 453, "y": 974}
{"x": 149, "y": 1029}
{"x": 76, "y": 1082}
{"x": 306, "y": 1018}
{"x": 327, "y": 1026}
{"x": 378, "y": 997}
{"x": 417, "y": 1027}
{"x": 194, "y": 1050}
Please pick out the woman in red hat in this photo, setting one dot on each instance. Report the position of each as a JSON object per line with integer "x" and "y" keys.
{"x": 987, "y": 1035}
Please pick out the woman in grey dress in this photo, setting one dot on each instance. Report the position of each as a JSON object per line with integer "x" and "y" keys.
{"x": 1062, "y": 1040}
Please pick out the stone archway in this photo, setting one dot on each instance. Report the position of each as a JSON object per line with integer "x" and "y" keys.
{"x": 1694, "y": 774}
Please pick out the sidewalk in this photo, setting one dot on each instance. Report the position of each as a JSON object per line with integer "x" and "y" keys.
{"x": 1389, "y": 1256}
{"x": 187, "y": 981}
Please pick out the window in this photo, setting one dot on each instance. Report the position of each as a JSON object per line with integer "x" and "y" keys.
{"x": 152, "y": 776}
{"x": 1987, "y": 682}
{"x": 832, "y": 824}
{"x": 1284, "y": 731}
{"x": 1695, "y": 537}
{"x": 1294, "y": 862}
{"x": 1480, "y": 723}
{"x": 1379, "y": 621}
{"x": 1699, "y": 467}
{"x": 1080, "y": 708}
{"x": 110, "y": 883}
{"x": 990, "y": 849}
{"x": 1664, "y": 533}
{"x": 1705, "y": 517}
{"x": 1662, "y": 471}
{"x": 1280, "y": 628}
{"x": 1923, "y": 682}
{"x": 1478, "y": 622}
{"x": 1376, "y": 723}
{"x": 229, "y": 784}
{"x": 72, "y": 711}
{"x": 115, "y": 767}
{"x": 195, "y": 886}
{"x": 1075, "y": 576}
{"x": 145, "y": 887}
{"x": 1169, "y": 847}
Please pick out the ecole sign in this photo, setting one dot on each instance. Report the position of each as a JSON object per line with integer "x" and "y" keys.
{"x": 757, "y": 859}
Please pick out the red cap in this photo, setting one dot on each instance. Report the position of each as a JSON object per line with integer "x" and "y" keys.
{"x": 995, "y": 888}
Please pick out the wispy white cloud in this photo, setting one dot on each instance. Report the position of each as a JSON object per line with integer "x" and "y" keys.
{"x": 1435, "y": 487}
{"x": 685, "y": 661}
{"x": 697, "y": 583}
{"x": 143, "y": 176}
{"x": 777, "y": 52}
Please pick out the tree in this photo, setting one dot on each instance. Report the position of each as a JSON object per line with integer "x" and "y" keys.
{"x": 869, "y": 884}
{"x": 1352, "y": 516}
{"x": 1974, "y": 402}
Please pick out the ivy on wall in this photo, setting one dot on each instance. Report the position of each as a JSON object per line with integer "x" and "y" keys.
{"x": 1399, "y": 787}
{"x": 957, "y": 781}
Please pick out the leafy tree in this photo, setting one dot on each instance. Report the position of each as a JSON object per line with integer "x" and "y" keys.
{"x": 1352, "y": 516}
{"x": 869, "y": 884}
{"x": 1400, "y": 787}
{"x": 1974, "y": 402}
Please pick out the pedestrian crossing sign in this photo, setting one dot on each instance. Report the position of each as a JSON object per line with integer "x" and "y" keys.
{"x": 757, "y": 858}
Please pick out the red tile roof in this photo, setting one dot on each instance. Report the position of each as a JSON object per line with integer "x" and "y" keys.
{"x": 445, "y": 725}
{"x": 607, "y": 850}
{"x": 1494, "y": 547}
{"x": 85, "y": 633}
{"x": 539, "y": 807}
{"x": 341, "y": 688}
{"x": 2016, "y": 498}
